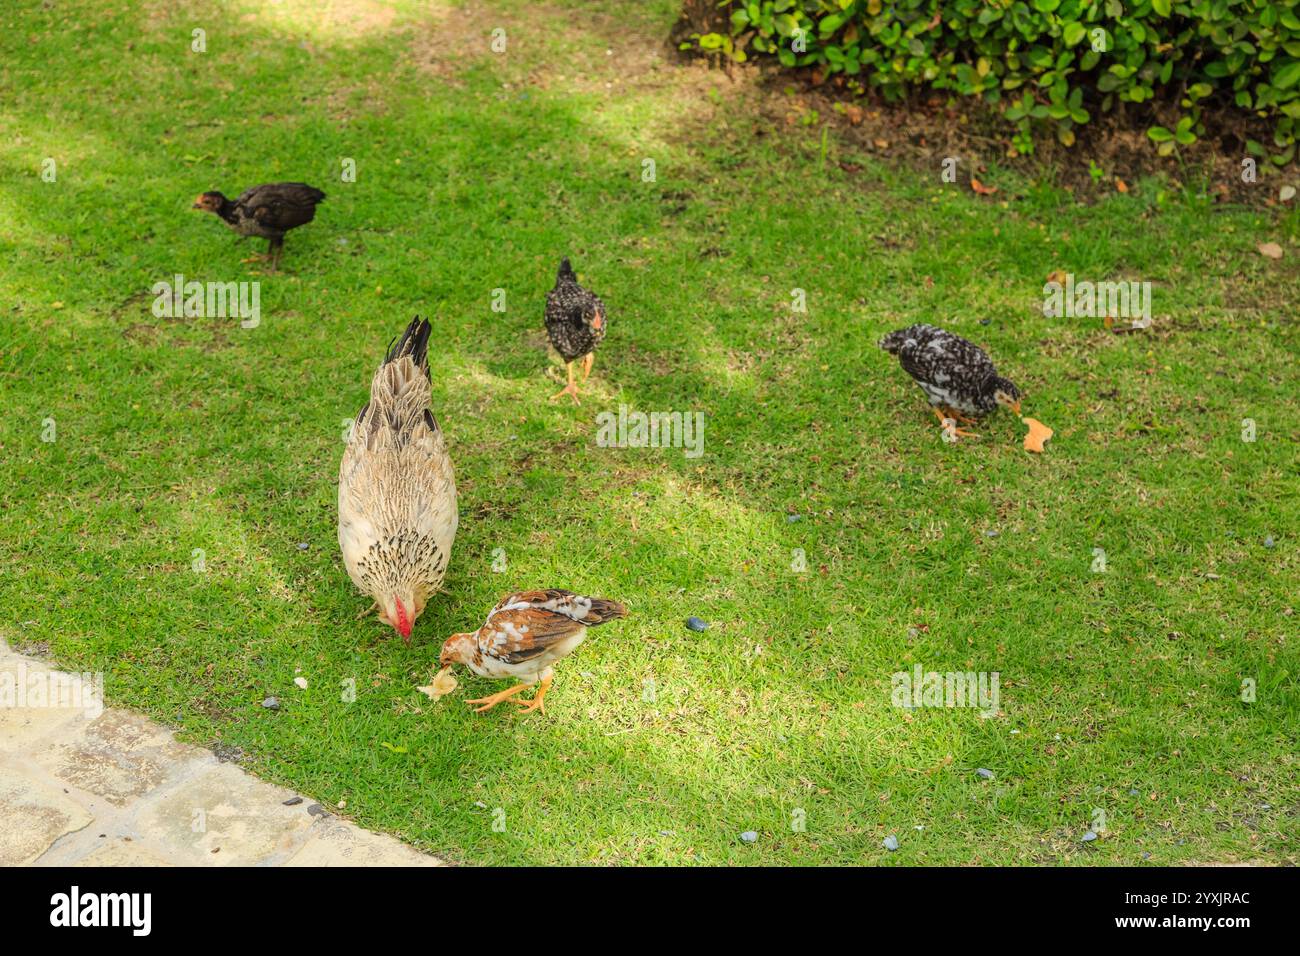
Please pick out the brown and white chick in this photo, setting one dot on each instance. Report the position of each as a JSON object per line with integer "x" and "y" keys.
{"x": 397, "y": 491}
{"x": 524, "y": 635}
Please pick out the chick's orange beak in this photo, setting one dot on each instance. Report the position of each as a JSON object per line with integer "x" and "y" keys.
{"x": 597, "y": 322}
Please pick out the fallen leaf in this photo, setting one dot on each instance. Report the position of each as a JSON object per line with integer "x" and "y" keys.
{"x": 1270, "y": 249}
{"x": 301, "y": 682}
{"x": 882, "y": 144}
{"x": 1286, "y": 193}
{"x": 981, "y": 189}
{"x": 854, "y": 114}
{"x": 1057, "y": 276}
{"x": 1038, "y": 433}
{"x": 443, "y": 684}
{"x": 1120, "y": 185}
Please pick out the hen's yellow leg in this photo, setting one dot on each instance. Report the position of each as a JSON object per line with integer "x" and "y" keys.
{"x": 527, "y": 707}
{"x": 587, "y": 362}
{"x": 571, "y": 389}
{"x": 494, "y": 699}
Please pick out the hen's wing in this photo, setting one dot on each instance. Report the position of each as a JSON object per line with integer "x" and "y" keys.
{"x": 281, "y": 206}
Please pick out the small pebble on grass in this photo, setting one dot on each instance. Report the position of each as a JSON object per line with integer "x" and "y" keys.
{"x": 985, "y": 772}
{"x": 890, "y": 843}
{"x": 695, "y": 624}
{"x": 1089, "y": 837}
{"x": 749, "y": 836}
{"x": 271, "y": 703}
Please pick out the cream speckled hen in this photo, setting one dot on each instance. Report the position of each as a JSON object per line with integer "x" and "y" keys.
{"x": 397, "y": 491}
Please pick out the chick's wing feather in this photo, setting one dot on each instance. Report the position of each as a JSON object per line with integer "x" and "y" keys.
{"x": 280, "y": 205}
{"x": 521, "y": 633}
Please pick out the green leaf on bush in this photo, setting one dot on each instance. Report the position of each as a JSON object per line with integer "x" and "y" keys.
{"x": 1287, "y": 75}
{"x": 1187, "y": 52}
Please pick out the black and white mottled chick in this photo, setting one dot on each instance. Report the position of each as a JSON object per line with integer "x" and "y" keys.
{"x": 575, "y": 322}
{"x": 267, "y": 211}
{"x": 957, "y": 376}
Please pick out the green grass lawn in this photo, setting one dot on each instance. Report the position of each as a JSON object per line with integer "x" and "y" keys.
{"x": 477, "y": 171}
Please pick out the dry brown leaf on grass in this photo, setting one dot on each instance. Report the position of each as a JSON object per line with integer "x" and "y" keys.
{"x": 981, "y": 189}
{"x": 1270, "y": 249}
{"x": 1038, "y": 433}
{"x": 1120, "y": 185}
{"x": 443, "y": 684}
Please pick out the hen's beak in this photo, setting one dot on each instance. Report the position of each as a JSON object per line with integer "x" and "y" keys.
{"x": 1016, "y": 408}
{"x": 598, "y": 321}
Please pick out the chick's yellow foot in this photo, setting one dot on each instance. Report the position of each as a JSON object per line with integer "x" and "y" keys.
{"x": 949, "y": 425}
{"x": 527, "y": 707}
{"x": 571, "y": 389}
{"x": 492, "y": 700}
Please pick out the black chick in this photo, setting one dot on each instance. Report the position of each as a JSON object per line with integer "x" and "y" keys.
{"x": 268, "y": 211}
{"x": 575, "y": 322}
{"x": 956, "y": 375}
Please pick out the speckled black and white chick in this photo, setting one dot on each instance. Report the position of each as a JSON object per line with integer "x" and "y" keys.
{"x": 575, "y": 322}
{"x": 268, "y": 211}
{"x": 957, "y": 376}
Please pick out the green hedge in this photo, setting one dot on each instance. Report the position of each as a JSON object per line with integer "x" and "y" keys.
{"x": 1046, "y": 64}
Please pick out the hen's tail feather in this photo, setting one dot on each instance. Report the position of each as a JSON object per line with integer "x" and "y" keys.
{"x": 603, "y": 610}
{"x": 566, "y": 270}
{"x": 414, "y": 342}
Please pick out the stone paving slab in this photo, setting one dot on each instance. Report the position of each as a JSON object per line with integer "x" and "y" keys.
{"x": 86, "y": 785}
